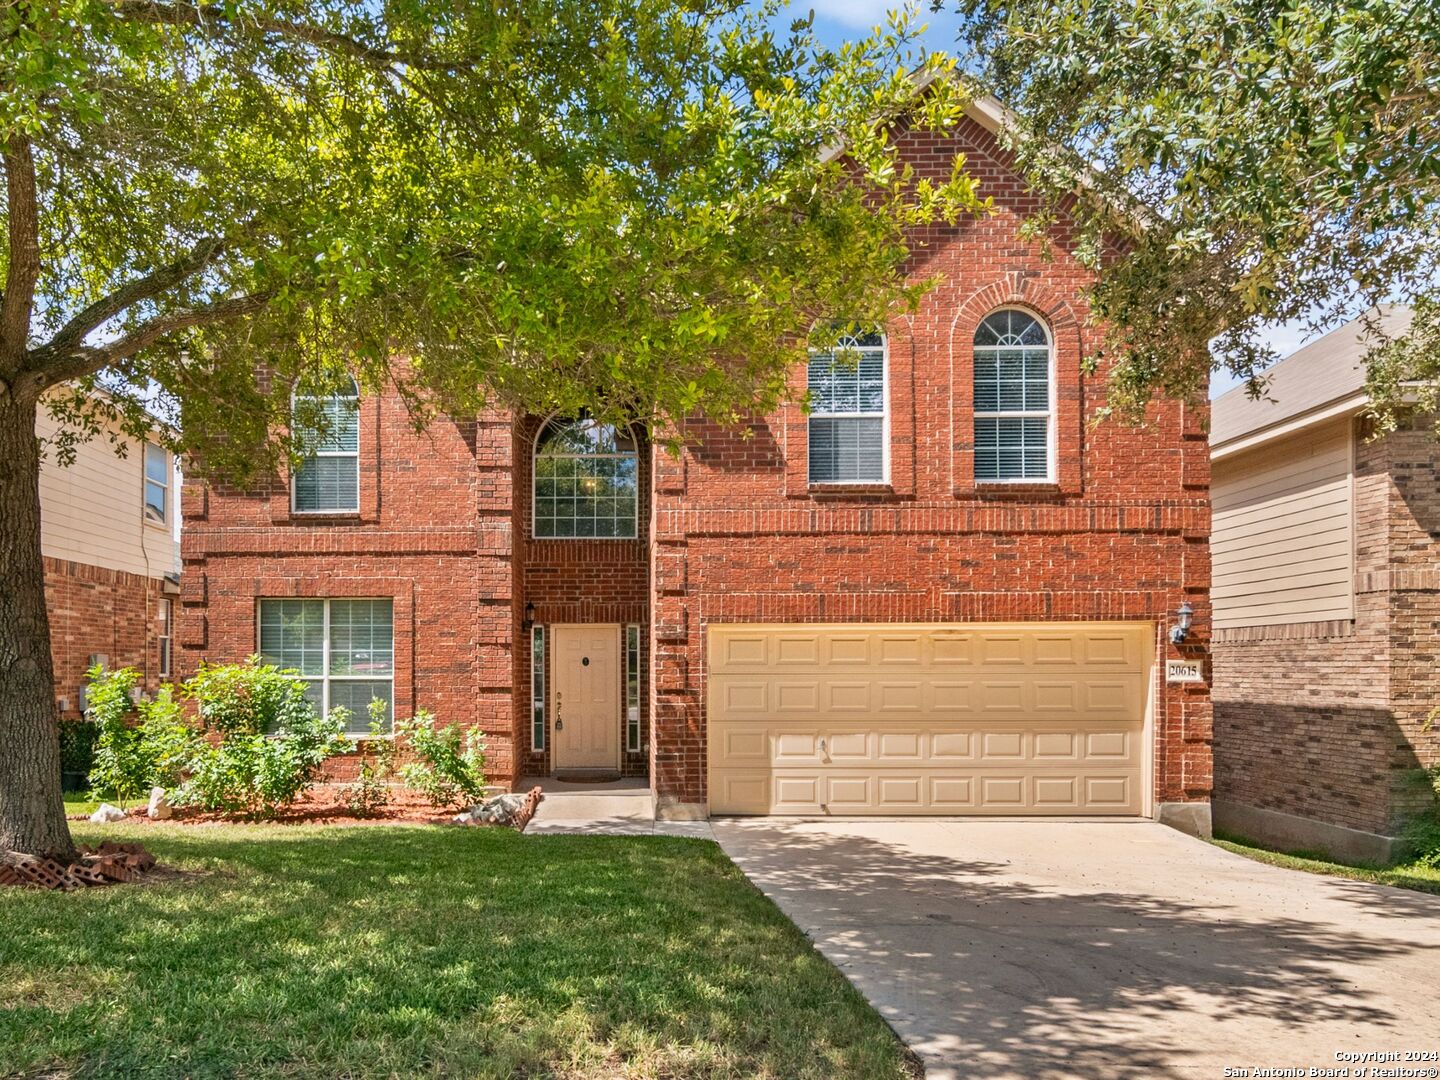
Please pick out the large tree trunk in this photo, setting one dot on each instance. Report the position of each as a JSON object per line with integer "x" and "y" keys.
{"x": 32, "y": 810}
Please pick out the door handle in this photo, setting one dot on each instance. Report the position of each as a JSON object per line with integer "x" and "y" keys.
{"x": 559, "y": 699}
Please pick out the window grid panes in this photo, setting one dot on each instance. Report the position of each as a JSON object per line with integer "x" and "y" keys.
{"x": 328, "y": 477}
{"x": 847, "y": 412}
{"x": 587, "y": 481}
{"x": 157, "y": 483}
{"x": 1012, "y": 398}
{"x": 343, "y": 649}
{"x": 537, "y": 688}
{"x": 632, "y": 688}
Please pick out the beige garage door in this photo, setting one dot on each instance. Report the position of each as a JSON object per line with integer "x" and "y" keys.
{"x": 1036, "y": 718}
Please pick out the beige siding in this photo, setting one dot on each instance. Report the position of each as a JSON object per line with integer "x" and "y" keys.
{"x": 93, "y": 511}
{"x": 1282, "y": 541}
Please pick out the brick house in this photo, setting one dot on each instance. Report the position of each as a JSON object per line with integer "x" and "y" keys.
{"x": 940, "y": 592}
{"x": 1326, "y": 607}
{"x": 112, "y": 560}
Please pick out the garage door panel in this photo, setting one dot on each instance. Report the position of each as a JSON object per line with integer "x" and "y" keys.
{"x": 1014, "y": 718}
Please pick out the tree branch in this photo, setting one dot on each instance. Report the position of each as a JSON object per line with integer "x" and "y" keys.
{"x": 132, "y": 292}
{"x": 24, "y": 269}
{"x": 82, "y": 360}
{"x": 214, "y": 16}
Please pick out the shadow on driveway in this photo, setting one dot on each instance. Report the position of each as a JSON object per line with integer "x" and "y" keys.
{"x": 1044, "y": 949}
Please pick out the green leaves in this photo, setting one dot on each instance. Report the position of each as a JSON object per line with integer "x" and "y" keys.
{"x": 1282, "y": 157}
{"x": 625, "y": 206}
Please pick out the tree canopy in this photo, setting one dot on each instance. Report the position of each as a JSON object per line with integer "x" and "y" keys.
{"x": 1230, "y": 164}
{"x": 621, "y": 205}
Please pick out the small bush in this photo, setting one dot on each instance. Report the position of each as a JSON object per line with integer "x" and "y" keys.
{"x": 1423, "y": 833}
{"x": 370, "y": 792}
{"x": 272, "y": 744}
{"x": 121, "y": 767}
{"x": 168, "y": 741}
{"x": 447, "y": 775}
{"x": 78, "y": 739}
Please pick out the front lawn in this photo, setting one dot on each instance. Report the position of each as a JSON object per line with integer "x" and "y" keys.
{"x": 1411, "y": 876}
{"x": 300, "y": 951}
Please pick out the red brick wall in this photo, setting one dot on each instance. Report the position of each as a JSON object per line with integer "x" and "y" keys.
{"x": 740, "y": 535}
{"x": 575, "y": 581}
{"x": 97, "y": 611}
{"x": 433, "y": 534}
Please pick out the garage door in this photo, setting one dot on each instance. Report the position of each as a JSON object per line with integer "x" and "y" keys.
{"x": 934, "y": 719}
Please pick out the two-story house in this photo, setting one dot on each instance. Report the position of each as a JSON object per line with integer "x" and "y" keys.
{"x": 938, "y": 592}
{"x": 112, "y": 559}
{"x": 1326, "y": 606}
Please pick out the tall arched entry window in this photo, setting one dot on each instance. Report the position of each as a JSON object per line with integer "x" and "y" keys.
{"x": 1014, "y": 398}
{"x": 587, "y": 481}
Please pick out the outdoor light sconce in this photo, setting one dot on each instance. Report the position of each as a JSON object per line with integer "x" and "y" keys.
{"x": 529, "y": 619}
{"x": 1181, "y": 630}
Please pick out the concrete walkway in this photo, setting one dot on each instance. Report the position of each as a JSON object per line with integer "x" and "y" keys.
{"x": 617, "y": 808}
{"x": 1044, "y": 949}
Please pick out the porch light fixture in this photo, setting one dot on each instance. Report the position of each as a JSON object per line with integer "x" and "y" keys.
{"x": 529, "y": 619}
{"x": 1181, "y": 630}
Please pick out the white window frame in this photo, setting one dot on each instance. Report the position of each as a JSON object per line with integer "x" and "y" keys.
{"x": 1048, "y": 415}
{"x": 335, "y": 511}
{"x": 538, "y": 688}
{"x": 883, "y": 415}
{"x": 325, "y": 678}
{"x": 633, "y": 737}
{"x": 165, "y": 613}
{"x": 535, "y": 497}
{"x": 164, "y": 485}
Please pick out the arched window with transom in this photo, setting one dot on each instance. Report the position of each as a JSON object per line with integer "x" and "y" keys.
{"x": 1014, "y": 398}
{"x": 328, "y": 426}
{"x": 587, "y": 481}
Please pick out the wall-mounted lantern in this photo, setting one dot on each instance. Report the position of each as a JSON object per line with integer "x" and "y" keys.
{"x": 1181, "y": 630}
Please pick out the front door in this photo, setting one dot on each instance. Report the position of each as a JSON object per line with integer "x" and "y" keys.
{"x": 586, "y": 683}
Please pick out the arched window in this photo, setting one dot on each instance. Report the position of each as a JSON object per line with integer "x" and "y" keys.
{"x": 328, "y": 479}
{"x": 847, "y": 412}
{"x": 587, "y": 481}
{"x": 1014, "y": 403}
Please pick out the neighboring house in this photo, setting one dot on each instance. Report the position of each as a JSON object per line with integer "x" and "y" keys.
{"x": 112, "y": 561}
{"x": 1326, "y": 597}
{"x": 939, "y": 593}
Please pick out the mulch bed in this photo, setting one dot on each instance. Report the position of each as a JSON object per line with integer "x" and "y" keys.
{"x": 325, "y": 805}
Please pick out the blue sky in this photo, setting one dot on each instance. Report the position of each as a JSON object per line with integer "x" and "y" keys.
{"x": 842, "y": 20}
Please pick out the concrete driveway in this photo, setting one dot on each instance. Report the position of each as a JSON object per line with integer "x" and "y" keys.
{"x": 1118, "y": 949}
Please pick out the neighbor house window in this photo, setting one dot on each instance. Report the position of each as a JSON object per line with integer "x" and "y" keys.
{"x": 328, "y": 427}
{"x": 163, "y": 615}
{"x": 157, "y": 484}
{"x": 537, "y": 688}
{"x": 343, "y": 649}
{"x": 632, "y": 688}
{"x": 587, "y": 481}
{"x": 847, "y": 412}
{"x": 1013, "y": 404}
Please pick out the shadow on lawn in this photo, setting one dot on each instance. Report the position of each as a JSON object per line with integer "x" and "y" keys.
{"x": 1049, "y": 983}
{"x": 399, "y": 951}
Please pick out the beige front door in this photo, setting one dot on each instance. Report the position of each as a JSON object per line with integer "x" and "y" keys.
{"x": 586, "y": 680}
{"x": 979, "y": 718}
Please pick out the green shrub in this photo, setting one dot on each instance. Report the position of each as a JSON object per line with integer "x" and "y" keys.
{"x": 78, "y": 739}
{"x": 1422, "y": 835}
{"x": 369, "y": 793}
{"x": 447, "y": 775}
{"x": 168, "y": 741}
{"x": 272, "y": 744}
{"x": 248, "y": 699}
{"x": 122, "y": 768}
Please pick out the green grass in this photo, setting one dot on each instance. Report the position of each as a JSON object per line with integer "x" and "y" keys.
{"x": 376, "y": 951}
{"x": 1404, "y": 876}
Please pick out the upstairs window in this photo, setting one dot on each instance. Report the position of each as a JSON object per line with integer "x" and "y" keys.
{"x": 587, "y": 481}
{"x": 157, "y": 484}
{"x": 328, "y": 478}
{"x": 847, "y": 412}
{"x": 1013, "y": 399}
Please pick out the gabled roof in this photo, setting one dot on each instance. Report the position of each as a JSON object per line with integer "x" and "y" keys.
{"x": 1321, "y": 381}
